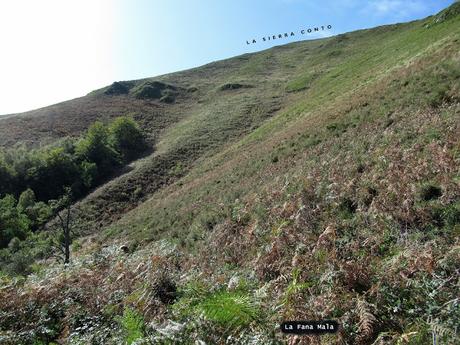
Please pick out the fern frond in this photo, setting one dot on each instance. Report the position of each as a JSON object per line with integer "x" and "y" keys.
{"x": 366, "y": 320}
{"x": 232, "y": 310}
{"x": 441, "y": 331}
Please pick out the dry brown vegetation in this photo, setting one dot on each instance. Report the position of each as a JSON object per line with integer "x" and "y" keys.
{"x": 335, "y": 196}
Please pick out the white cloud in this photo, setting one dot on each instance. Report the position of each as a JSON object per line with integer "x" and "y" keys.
{"x": 322, "y": 34}
{"x": 396, "y": 8}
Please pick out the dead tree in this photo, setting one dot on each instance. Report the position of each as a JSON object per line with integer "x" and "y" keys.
{"x": 63, "y": 211}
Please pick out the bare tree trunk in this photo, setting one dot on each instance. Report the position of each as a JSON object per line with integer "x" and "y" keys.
{"x": 67, "y": 236}
{"x": 67, "y": 245}
{"x": 65, "y": 218}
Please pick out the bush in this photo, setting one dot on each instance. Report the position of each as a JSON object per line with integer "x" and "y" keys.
{"x": 95, "y": 148}
{"x": 26, "y": 200}
{"x": 18, "y": 262}
{"x": 37, "y": 212}
{"x": 20, "y": 255}
{"x": 153, "y": 90}
{"x": 127, "y": 138}
{"x": 449, "y": 13}
{"x": 148, "y": 91}
{"x": 88, "y": 173}
{"x": 59, "y": 169}
{"x": 233, "y": 86}
{"x": 6, "y": 175}
{"x": 118, "y": 88}
{"x": 79, "y": 164}
{"x": 451, "y": 214}
{"x": 36, "y": 176}
{"x": 165, "y": 288}
{"x": 12, "y": 222}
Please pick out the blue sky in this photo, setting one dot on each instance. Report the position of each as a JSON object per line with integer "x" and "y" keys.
{"x": 54, "y": 50}
{"x": 175, "y": 34}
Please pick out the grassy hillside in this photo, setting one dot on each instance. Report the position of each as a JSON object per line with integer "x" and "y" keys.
{"x": 316, "y": 180}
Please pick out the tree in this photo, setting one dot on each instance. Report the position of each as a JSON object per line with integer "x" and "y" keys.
{"x": 63, "y": 210}
{"x": 59, "y": 169}
{"x": 88, "y": 173}
{"x": 13, "y": 223}
{"x": 95, "y": 148}
{"x": 37, "y": 212}
{"x": 126, "y": 137}
{"x": 26, "y": 200}
{"x": 6, "y": 175}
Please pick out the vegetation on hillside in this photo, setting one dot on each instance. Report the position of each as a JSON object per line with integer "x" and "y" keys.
{"x": 329, "y": 189}
{"x": 80, "y": 163}
{"x": 33, "y": 179}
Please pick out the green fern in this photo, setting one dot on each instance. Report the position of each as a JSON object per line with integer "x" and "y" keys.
{"x": 133, "y": 325}
{"x": 295, "y": 286}
{"x": 441, "y": 332}
{"x": 230, "y": 309}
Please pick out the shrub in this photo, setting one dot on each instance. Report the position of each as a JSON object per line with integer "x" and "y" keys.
{"x": 81, "y": 164}
{"x": 233, "y": 86}
{"x": 228, "y": 309}
{"x": 95, "y": 148}
{"x": 153, "y": 90}
{"x": 55, "y": 168}
{"x": 88, "y": 173}
{"x": 6, "y": 175}
{"x": 37, "y": 212}
{"x": 26, "y": 200}
{"x": 126, "y": 137}
{"x": 168, "y": 98}
{"x": 20, "y": 255}
{"x": 118, "y": 88}
{"x": 148, "y": 91}
{"x": 347, "y": 208}
{"x": 165, "y": 288}
{"x": 12, "y": 222}
{"x": 18, "y": 260}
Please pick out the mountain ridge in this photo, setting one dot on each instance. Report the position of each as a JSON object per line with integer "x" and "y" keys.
{"x": 329, "y": 189}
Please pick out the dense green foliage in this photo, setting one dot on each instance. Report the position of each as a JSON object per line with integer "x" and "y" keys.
{"x": 95, "y": 148}
{"x": 31, "y": 178}
{"x": 126, "y": 138}
{"x": 18, "y": 218}
{"x": 133, "y": 324}
{"x": 229, "y": 309}
{"x": 13, "y": 223}
{"x": 344, "y": 204}
{"x": 81, "y": 164}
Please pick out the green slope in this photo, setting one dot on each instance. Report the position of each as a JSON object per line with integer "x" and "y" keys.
{"x": 326, "y": 187}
